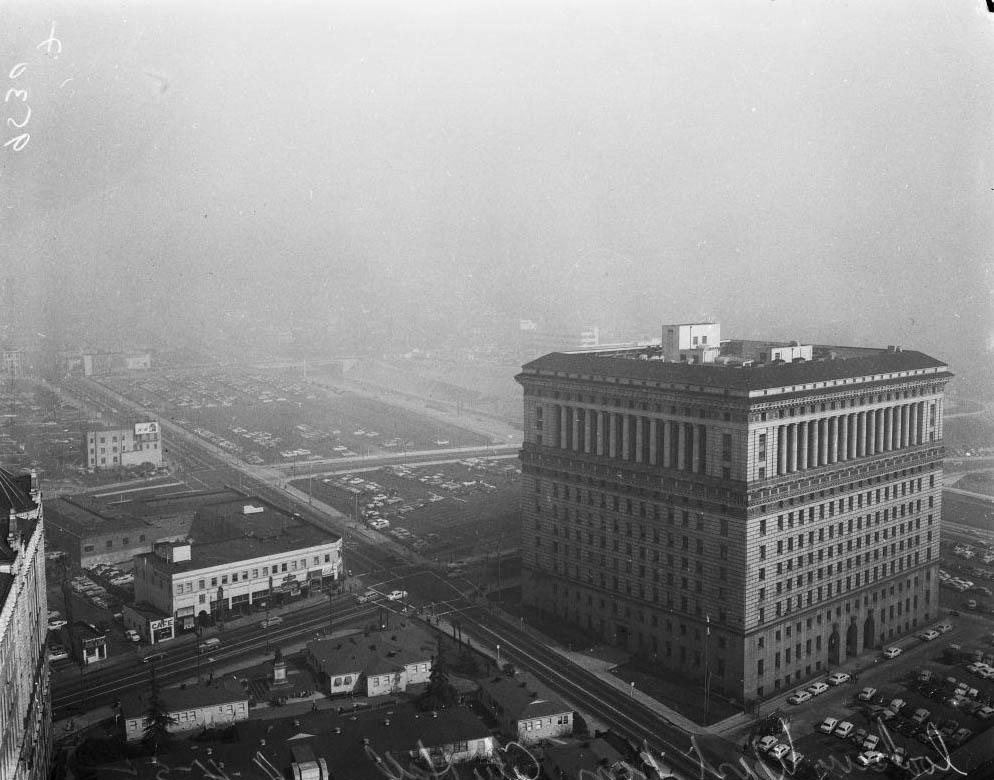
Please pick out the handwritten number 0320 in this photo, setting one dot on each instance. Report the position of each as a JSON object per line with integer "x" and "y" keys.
{"x": 18, "y": 142}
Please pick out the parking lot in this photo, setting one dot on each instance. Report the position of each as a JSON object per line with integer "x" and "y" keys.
{"x": 898, "y": 705}
{"x": 265, "y": 418}
{"x": 442, "y": 511}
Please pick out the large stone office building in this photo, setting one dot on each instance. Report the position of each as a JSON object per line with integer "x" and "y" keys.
{"x": 767, "y": 509}
{"x": 25, "y": 696}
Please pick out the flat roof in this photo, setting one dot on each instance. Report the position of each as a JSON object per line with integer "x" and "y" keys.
{"x": 379, "y": 653}
{"x": 134, "y": 703}
{"x": 830, "y": 365}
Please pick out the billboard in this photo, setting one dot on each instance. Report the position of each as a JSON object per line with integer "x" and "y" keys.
{"x": 145, "y": 428}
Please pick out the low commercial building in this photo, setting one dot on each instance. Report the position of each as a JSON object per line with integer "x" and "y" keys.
{"x": 216, "y": 705}
{"x": 243, "y": 554}
{"x": 89, "y": 643}
{"x": 526, "y": 710}
{"x": 130, "y": 445}
{"x": 90, "y": 533}
{"x": 380, "y": 664}
{"x": 595, "y": 758}
{"x": 152, "y": 625}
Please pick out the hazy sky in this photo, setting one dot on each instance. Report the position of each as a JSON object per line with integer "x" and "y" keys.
{"x": 817, "y": 170}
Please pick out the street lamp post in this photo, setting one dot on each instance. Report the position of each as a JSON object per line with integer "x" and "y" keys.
{"x": 498, "y": 658}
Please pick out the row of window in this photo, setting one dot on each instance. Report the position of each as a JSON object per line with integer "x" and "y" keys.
{"x": 109, "y": 544}
{"x": 277, "y": 568}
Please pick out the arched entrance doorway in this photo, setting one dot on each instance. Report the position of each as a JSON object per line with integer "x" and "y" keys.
{"x": 852, "y": 639}
{"x": 834, "y": 647}
{"x": 869, "y": 629}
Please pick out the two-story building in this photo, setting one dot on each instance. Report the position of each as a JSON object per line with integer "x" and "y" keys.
{"x": 246, "y": 552}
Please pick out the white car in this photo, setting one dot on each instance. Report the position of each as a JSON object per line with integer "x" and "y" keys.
{"x": 766, "y": 744}
{"x": 839, "y": 677}
{"x": 892, "y": 652}
{"x": 828, "y": 725}
{"x": 132, "y": 636}
{"x": 57, "y": 653}
{"x": 928, "y": 636}
{"x": 867, "y": 694}
{"x": 844, "y": 730}
{"x": 54, "y": 624}
{"x": 870, "y": 758}
{"x": 397, "y": 595}
{"x": 871, "y": 742}
{"x": 798, "y": 698}
{"x": 779, "y": 751}
{"x": 944, "y": 628}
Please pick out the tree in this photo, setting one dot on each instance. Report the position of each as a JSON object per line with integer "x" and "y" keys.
{"x": 440, "y": 692}
{"x": 157, "y": 720}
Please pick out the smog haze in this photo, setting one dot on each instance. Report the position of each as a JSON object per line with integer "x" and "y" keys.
{"x": 796, "y": 170}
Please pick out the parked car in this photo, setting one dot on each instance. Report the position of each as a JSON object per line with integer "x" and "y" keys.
{"x": 892, "y": 652}
{"x": 273, "y": 621}
{"x": 960, "y": 736}
{"x": 54, "y": 624}
{"x": 929, "y": 635}
{"x": 838, "y": 678}
{"x": 362, "y": 598}
{"x": 871, "y": 742}
{"x": 896, "y": 705}
{"x": 828, "y": 725}
{"x": 921, "y": 715}
{"x": 779, "y": 750}
{"x": 397, "y": 595}
{"x": 844, "y": 729}
{"x": 798, "y": 698}
{"x": 132, "y": 636}
{"x": 867, "y": 694}
{"x": 870, "y": 758}
{"x": 944, "y": 628}
{"x": 985, "y": 713}
{"x": 764, "y": 744}
{"x": 817, "y": 688}
{"x": 57, "y": 653}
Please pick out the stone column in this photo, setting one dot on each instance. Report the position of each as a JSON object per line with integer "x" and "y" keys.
{"x": 861, "y": 424}
{"x": 588, "y": 430}
{"x": 781, "y": 450}
{"x": 823, "y": 435}
{"x": 601, "y": 423}
{"x": 639, "y": 439}
{"x": 793, "y": 459}
{"x": 563, "y": 427}
{"x": 612, "y": 437}
{"x": 696, "y": 431}
{"x": 667, "y": 444}
{"x": 654, "y": 442}
{"x": 681, "y": 446}
{"x": 626, "y": 436}
{"x": 879, "y": 424}
{"x": 802, "y": 446}
{"x": 833, "y": 440}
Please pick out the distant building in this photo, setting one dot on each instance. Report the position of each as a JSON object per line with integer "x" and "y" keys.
{"x": 11, "y": 361}
{"x": 216, "y": 705}
{"x": 748, "y": 514}
{"x": 245, "y": 553}
{"x": 131, "y": 445}
{"x": 383, "y": 663}
{"x": 526, "y": 710}
{"x": 25, "y": 698}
